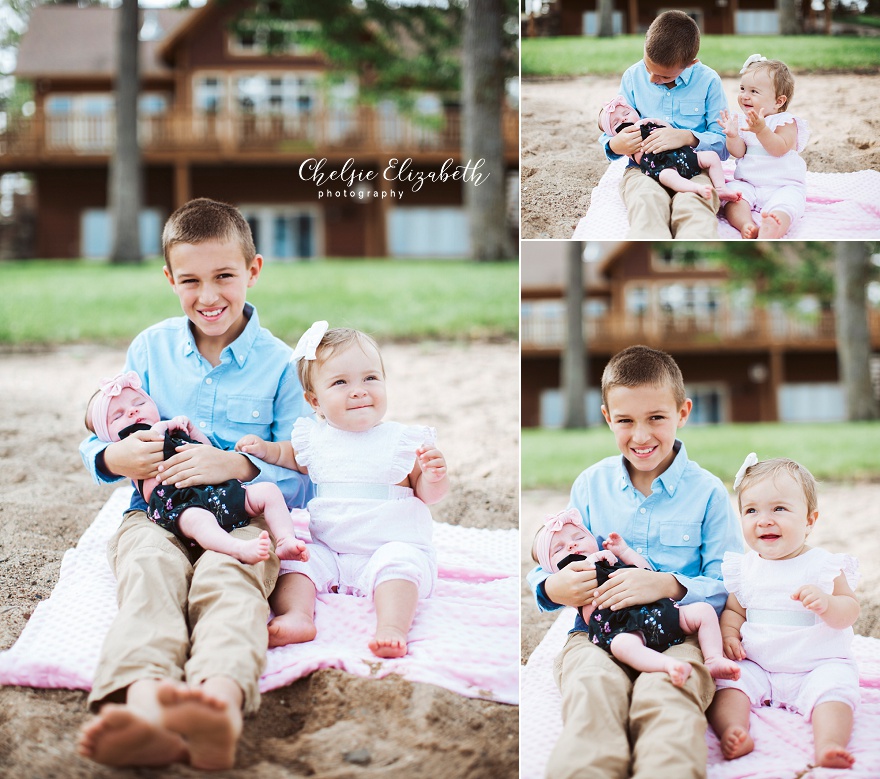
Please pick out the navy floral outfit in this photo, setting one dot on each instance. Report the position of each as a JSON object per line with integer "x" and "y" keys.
{"x": 683, "y": 159}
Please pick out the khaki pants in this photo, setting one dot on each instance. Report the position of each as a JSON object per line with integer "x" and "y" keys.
{"x": 618, "y": 723}
{"x": 183, "y": 616}
{"x": 654, "y": 215}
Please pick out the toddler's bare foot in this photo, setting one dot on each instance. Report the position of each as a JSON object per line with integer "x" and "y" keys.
{"x": 291, "y": 628}
{"x": 729, "y": 195}
{"x": 291, "y": 548}
{"x": 735, "y": 742}
{"x": 771, "y": 226}
{"x": 389, "y": 642}
{"x": 749, "y": 230}
{"x": 678, "y": 672}
{"x": 722, "y": 668}
{"x": 120, "y": 737}
{"x": 211, "y": 727}
{"x": 253, "y": 550}
{"x": 834, "y": 756}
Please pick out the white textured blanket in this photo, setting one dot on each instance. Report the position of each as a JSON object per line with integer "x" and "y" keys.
{"x": 465, "y": 638}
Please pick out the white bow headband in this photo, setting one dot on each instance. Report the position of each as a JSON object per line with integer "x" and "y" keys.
{"x": 751, "y": 459}
{"x": 751, "y": 61}
{"x": 309, "y": 341}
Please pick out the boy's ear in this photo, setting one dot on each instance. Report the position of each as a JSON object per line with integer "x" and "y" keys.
{"x": 168, "y": 274}
{"x": 606, "y": 415}
{"x": 684, "y": 412}
{"x": 254, "y": 269}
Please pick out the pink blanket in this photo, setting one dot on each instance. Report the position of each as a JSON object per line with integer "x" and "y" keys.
{"x": 784, "y": 741}
{"x": 465, "y": 638}
{"x": 839, "y": 205}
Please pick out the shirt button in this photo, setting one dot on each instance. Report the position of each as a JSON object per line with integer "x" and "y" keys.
{"x": 685, "y": 538}
{"x": 255, "y": 414}
{"x": 203, "y": 424}
{"x": 639, "y": 550}
{"x": 209, "y": 380}
{"x": 642, "y": 511}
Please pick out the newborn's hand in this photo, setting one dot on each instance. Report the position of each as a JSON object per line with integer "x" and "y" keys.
{"x": 733, "y": 648}
{"x": 605, "y": 555}
{"x": 813, "y": 599}
{"x": 180, "y": 423}
{"x": 755, "y": 120}
{"x": 432, "y": 462}
{"x": 615, "y": 543}
{"x": 730, "y": 122}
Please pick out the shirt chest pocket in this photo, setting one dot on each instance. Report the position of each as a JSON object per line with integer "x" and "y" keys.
{"x": 680, "y": 534}
{"x": 692, "y": 112}
{"x": 243, "y": 410}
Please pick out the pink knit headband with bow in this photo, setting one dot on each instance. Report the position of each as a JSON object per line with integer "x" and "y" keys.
{"x": 553, "y": 524}
{"x": 606, "y": 113}
{"x": 109, "y": 389}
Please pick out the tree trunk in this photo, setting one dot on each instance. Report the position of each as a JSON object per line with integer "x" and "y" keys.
{"x": 606, "y": 18}
{"x": 574, "y": 358}
{"x": 124, "y": 194}
{"x": 482, "y": 138}
{"x": 853, "y": 269}
{"x": 788, "y": 21}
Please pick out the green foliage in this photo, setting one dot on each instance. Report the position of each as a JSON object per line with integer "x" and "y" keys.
{"x": 842, "y": 452}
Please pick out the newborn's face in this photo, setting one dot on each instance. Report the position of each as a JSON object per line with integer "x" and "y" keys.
{"x": 621, "y": 114}
{"x": 571, "y": 539}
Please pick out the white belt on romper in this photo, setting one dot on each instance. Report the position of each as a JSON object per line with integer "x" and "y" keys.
{"x": 364, "y": 491}
{"x": 780, "y": 617}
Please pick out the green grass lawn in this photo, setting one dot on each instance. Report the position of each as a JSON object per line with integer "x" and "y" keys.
{"x": 578, "y": 55}
{"x": 833, "y": 452}
{"x": 57, "y": 302}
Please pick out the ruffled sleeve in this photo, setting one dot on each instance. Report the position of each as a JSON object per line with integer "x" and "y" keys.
{"x": 835, "y": 564}
{"x": 301, "y": 438}
{"x": 803, "y": 129}
{"x": 411, "y": 438}
{"x": 731, "y": 570}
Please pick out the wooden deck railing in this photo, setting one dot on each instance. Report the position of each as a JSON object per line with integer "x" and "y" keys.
{"x": 362, "y": 130}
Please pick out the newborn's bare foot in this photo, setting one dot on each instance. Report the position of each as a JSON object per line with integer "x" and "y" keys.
{"x": 728, "y": 195}
{"x": 291, "y": 548}
{"x": 735, "y": 742}
{"x": 834, "y": 756}
{"x": 389, "y": 642}
{"x": 749, "y": 230}
{"x": 678, "y": 671}
{"x": 722, "y": 668}
{"x": 771, "y": 226}
{"x": 120, "y": 737}
{"x": 291, "y": 628}
{"x": 252, "y": 550}
{"x": 210, "y": 726}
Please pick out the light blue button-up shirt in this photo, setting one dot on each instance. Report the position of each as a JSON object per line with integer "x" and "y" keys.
{"x": 254, "y": 389}
{"x": 683, "y": 527}
{"x": 692, "y": 104}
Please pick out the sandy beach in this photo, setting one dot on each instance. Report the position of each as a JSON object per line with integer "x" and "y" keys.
{"x": 561, "y": 160}
{"x": 394, "y": 727}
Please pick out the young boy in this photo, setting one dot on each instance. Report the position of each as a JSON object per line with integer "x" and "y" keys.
{"x": 670, "y": 84}
{"x": 680, "y": 518}
{"x": 183, "y": 657}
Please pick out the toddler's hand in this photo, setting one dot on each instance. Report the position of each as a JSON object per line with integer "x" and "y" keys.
{"x": 432, "y": 463}
{"x": 755, "y": 120}
{"x": 252, "y": 444}
{"x": 733, "y": 648}
{"x": 615, "y": 543}
{"x": 813, "y": 599}
{"x": 730, "y": 122}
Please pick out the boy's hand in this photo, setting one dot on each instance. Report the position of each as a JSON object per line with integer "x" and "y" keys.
{"x": 136, "y": 457}
{"x": 813, "y": 599}
{"x": 666, "y": 138}
{"x": 627, "y": 142}
{"x": 615, "y": 543}
{"x": 733, "y": 648}
{"x": 730, "y": 123}
{"x": 574, "y": 585}
{"x": 252, "y": 444}
{"x": 629, "y": 587}
{"x": 196, "y": 464}
{"x": 432, "y": 463}
{"x": 755, "y": 120}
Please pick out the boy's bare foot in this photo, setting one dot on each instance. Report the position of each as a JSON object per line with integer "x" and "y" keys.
{"x": 771, "y": 226}
{"x": 291, "y": 628}
{"x": 210, "y": 726}
{"x": 729, "y": 195}
{"x": 291, "y": 548}
{"x": 834, "y": 756}
{"x": 735, "y": 742}
{"x": 253, "y": 550}
{"x": 389, "y": 642}
{"x": 722, "y": 668}
{"x": 749, "y": 230}
{"x": 678, "y": 672}
{"x": 120, "y": 737}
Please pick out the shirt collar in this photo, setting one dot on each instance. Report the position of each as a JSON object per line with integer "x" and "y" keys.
{"x": 670, "y": 478}
{"x": 239, "y": 349}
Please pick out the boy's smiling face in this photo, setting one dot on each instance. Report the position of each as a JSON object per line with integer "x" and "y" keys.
{"x": 211, "y": 279}
{"x": 663, "y": 74}
{"x": 644, "y": 421}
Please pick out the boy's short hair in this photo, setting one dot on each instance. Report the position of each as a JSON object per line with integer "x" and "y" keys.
{"x": 780, "y": 76}
{"x": 637, "y": 366}
{"x": 335, "y": 339}
{"x": 672, "y": 40}
{"x": 202, "y": 220}
{"x": 769, "y": 469}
